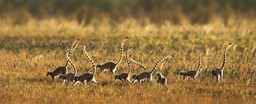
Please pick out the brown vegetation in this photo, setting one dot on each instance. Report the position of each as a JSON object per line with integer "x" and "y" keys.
{"x": 29, "y": 50}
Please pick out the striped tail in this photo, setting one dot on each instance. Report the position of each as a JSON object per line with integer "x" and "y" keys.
{"x": 68, "y": 54}
{"x": 66, "y": 63}
{"x": 139, "y": 64}
{"x": 127, "y": 60}
{"x": 88, "y": 56}
{"x": 122, "y": 51}
{"x": 75, "y": 44}
{"x": 199, "y": 62}
{"x": 73, "y": 65}
{"x": 225, "y": 56}
{"x": 158, "y": 61}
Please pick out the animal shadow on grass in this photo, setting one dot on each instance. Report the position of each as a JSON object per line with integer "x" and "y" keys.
{"x": 110, "y": 83}
{"x": 105, "y": 83}
{"x": 38, "y": 80}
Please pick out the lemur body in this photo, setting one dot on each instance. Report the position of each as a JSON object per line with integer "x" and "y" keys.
{"x": 147, "y": 75}
{"x": 112, "y": 66}
{"x": 58, "y": 71}
{"x": 69, "y": 76}
{"x": 192, "y": 73}
{"x": 86, "y": 77}
{"x": 218, "y": 72}
{"x": 161, "y": 79}
{"x": 62, "y": 69}
{"x": 125, "y": 76}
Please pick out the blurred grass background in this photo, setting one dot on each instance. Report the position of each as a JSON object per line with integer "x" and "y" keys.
{"x": 84, "y": 12}
{"x": 34, "y": 35}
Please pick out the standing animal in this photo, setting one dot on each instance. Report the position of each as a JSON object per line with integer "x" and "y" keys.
{"x": 161, "y": 79}
{"x": 125, "y": 76}
{"x": 86, "y": 77}
{"x": 63, "y": 69}
{"x": 69, "y": 76}
{"x": 112, "y": 66}
{"x": 147, "y": 75}
{"x": 218, "y": 72}
{"x": 59, "y": 70}
{"x": 192, "y": 73}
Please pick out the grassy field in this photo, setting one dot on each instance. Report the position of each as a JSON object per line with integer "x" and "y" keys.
{"x": 29, "y": 51}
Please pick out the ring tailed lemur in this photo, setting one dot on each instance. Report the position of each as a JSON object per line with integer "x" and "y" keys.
{"x": 161, "y": 79}
{"x": 69, "y": 76}
{"x": 192, "y": 73}
{"x": 86, "y": 77}
{"x": 147, "y": 75}
{"x": 63, "y": 69}
{"x": 112, "y": 66}
{"x": 218, "y": 72}
{"x": 125, "y": 76}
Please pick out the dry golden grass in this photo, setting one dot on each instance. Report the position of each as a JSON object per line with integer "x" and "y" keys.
{"x": 29, "y": 51}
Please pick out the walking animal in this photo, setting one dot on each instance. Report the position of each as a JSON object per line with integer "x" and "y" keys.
{"x": 125, "y": 76}
{"x": 86, "y": 77}
{"x": 63, "y": 69}
{"x": 192, "y": 73}
{"x": 69, "y": 76}
{"x": 218, "y": 72}
{"x": 147, "y": 75}
{"x": 112, "y": 66}
{"x": 161, "y": 79}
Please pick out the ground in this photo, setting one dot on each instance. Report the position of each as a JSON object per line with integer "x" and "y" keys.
{"x": 29, "y": 51}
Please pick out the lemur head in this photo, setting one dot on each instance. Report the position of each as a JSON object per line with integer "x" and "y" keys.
{"x": 116, "y": 77}
{"x": 158, "y": 75}
{"x": 181, "y": 73}
{"x": 134, "y": 76}
{"x": 77, "y": 78}
{"x": 49, "y": 73}
{"x": 98, "y": 66}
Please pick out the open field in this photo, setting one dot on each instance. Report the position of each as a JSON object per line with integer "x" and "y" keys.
{"x": 29, "y": 51}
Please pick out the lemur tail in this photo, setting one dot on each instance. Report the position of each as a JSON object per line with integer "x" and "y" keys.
{"x": 225, "y": 56}
{"x": 158, "y": 61}
{"x": 122, "y": 51}
{"x": 88, "y": 56}
{"x": 137, "y": 63}
{"x": 127, "y": 60}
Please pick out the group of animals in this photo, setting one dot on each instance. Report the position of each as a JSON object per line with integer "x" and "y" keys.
{"x": 125, "y": 76}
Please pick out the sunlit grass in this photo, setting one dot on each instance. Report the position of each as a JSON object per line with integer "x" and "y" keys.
{"x": 29, "y": 51}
